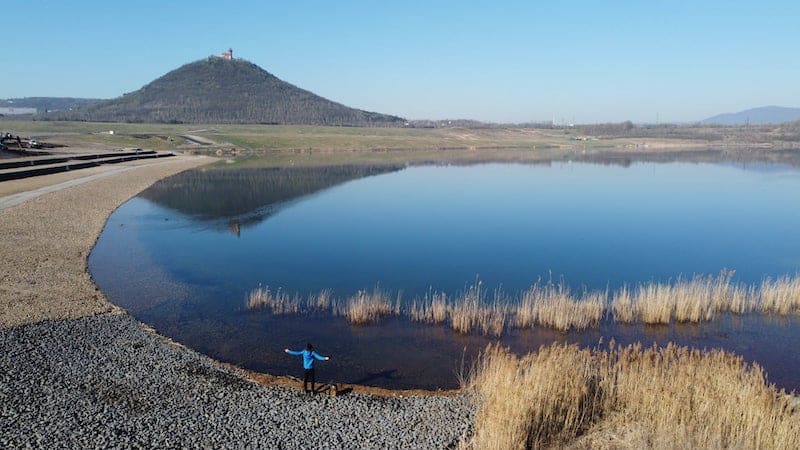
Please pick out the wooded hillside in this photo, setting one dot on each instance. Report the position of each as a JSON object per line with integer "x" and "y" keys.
{"x": 216, "y": 90}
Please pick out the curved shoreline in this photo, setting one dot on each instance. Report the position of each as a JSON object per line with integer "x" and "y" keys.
{"x": 77, "y": 369}
{"x": 30, "y": 215}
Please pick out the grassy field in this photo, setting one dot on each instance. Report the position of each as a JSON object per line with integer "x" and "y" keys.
{"x": 283, "y": 145}
{"x": 259, "y": 140}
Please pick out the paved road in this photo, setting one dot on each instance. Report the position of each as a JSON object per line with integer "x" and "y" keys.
{"x": 15, "y": 199}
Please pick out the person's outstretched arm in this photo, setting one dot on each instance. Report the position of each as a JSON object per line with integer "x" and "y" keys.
{"x": 319, "y": 357}
{"x": 292, "y": 352}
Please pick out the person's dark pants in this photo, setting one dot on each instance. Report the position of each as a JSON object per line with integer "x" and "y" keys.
{"x": 308, "y": 376}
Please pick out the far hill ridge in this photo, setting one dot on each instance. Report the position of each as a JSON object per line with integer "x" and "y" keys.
{"x": 756, "y": 116}
{"x": 224, "y": 90}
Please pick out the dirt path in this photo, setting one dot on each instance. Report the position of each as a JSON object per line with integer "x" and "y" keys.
{"x": 47, "y": 232}
{"x": 198, "y": 139}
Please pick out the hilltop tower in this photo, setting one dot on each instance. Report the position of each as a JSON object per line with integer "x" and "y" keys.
{"x": 227, "y": 55}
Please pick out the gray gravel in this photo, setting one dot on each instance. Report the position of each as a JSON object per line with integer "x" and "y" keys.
{"x": 106, "y": 382}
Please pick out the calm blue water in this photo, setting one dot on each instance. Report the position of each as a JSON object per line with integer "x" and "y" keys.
{"x": 183, "y": 255}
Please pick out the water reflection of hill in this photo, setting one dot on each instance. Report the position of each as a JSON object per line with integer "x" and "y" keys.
{"x": 214, "y": 194}
{"x": 246, "y": 196}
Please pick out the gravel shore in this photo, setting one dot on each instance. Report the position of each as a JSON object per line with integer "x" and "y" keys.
{"x": 77, "y": 372}
{"x": 44, "y": 243}
{"x": 104, "y": 381}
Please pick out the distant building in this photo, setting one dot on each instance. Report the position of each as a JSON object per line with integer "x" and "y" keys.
{"x": 227, "y": 55}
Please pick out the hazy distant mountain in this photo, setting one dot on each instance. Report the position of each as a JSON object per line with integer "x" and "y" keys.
{"x": 218, "y": 90}
{"x": 756, "y": 116}
{"x": 44, "y": 104}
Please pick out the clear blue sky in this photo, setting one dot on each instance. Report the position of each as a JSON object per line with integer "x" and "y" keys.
{"x": 582, "y": 61}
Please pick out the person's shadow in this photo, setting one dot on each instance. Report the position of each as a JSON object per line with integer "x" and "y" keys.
{"x": 335, "y": 390}
{"x": 383, "y": 375}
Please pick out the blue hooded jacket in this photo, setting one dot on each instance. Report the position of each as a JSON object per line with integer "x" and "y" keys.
{"x": 308, "y": 357}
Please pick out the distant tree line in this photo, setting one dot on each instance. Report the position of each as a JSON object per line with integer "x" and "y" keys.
{"x": 44, "y": 104}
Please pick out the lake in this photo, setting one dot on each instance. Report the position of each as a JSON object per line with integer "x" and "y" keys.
{"x": 183, "y": 255}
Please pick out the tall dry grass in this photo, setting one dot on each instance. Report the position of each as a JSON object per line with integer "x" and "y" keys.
{"x": 368, "y": 307}
{"x": 780, "y": 296}
{"x": 465, "y": 314}
{"x": 278, "y": 301}
{"x": 281, "y": 302}
{"x": 433, "y": 308}
{"x": 554, "y": 306}
{"x": 529, "y": 402}
{"x": 322, "y": 301}
{"x": 698, "y": 299}
{"x": 622, "y": 306}
{"x": 627, "y": 397}
{"x": 703, "y": 297}
{"x": 695, "y": 300}
{"x": 743, "y": 300}
{"x": 469, "y": 311}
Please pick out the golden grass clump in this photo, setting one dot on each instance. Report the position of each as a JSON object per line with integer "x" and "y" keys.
{"x": 654, "y": 303}
{"x": 623, "y": 307}
{"x": 722, "y": 291}
{"x": 368, "y": 307}
{"x": 472, "y": 312}
{"x": 492, "y": 317}
{"x": 743, "y": 299}
{"x": 627, "y": 397}
{"x": 465, "y": 315}
{"x": 695, "y": 300}
{"x": 466, "y": 312}
{"x": 554, "y": 306}
{"x": 322, "y": 300}
{"x": 780, "y": 296}
{"x": 431, "y": 309}
{"x": 537, "y": 400}
{"x": 698, "y": 299}
{"x": 278, "y": 302}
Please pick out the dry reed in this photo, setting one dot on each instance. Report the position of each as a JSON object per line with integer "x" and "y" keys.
{"x": 368, "y": 307}
{"x": 698, "y": 299}
{"x": 278, "y": 302}
{"x": 322, "y": 300}
{"x": 465, "y": 315}
{"x": 780, "y": 296}
{"x": 472, "y": 312}
{"x": 671, "y": 397}
{"x": 622, "y": 306}
{"x": 433, "y": 308}
{"x": 554, "y": 306}
{"x": 743, "y": 300}
{"x": 493, "y": 317}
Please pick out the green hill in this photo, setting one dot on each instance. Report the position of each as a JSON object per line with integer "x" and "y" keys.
{"x": 217, "y": 90}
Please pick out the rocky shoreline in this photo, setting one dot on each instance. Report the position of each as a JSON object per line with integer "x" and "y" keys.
{"x": 105, "y": 381}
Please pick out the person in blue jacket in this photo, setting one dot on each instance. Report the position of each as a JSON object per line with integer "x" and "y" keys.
{"x": 309, "y": 356}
